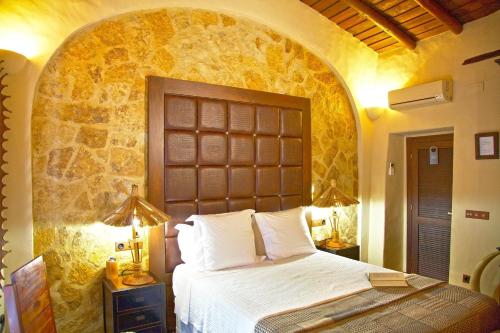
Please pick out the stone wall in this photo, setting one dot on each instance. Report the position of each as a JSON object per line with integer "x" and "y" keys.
{"x": 89, "y": 129}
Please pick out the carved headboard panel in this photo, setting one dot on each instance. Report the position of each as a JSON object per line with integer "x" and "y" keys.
{"x": 214, "y": 149}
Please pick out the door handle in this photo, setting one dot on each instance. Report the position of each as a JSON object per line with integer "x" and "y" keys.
{"x": 449, "y": 213}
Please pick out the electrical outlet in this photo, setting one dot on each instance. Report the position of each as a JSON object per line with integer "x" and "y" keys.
{"x": 122, "y": 246}
{"x": 125, "y": 246}
{"x": 465, "y": 278}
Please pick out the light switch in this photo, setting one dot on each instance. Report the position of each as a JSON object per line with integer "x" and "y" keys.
{"x": 477, "y": 214}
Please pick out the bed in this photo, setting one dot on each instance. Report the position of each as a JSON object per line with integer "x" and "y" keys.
{"x": 215, "y": 149}
{"x": 322, "y": 292}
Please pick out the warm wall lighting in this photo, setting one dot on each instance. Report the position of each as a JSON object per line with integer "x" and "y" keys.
{"x": 375, "y": 112}
{"x": 375, "y": 101}
{"x": 373, "y": 95}
{"x": 19, "y": 42}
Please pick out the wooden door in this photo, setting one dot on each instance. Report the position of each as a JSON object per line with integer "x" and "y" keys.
{"x": 430, "y": 179}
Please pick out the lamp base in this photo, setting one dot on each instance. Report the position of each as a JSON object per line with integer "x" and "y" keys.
{"x": 334, "y": 244}
{"x": 142, "y": 279}
{"x": 335, "y": 241}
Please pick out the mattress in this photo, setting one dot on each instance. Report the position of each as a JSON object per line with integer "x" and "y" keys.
{"x": 235, "y": 300}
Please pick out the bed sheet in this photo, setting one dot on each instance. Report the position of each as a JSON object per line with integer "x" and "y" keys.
{"x": 234, "y": 300}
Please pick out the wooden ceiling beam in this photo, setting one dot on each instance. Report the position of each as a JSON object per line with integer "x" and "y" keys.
{"x": 482, "y": 57}
{"x": 383, "y": 22}
{"x": 441, "y": 14}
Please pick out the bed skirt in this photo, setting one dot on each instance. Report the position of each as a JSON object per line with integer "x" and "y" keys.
{"x": 181, "y": 327}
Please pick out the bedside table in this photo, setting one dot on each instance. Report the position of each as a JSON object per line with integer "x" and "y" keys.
{"x": 350, "y": 251}
{"x": 140, "y": 309}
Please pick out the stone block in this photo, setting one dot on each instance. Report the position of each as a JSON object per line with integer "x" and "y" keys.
{"x": 58, "y": 161}
{"x": 83, "y": 113}
{"x": 126, "y": 162}
{"x": 84, "y": 165}
{"x": 92, "y": 137}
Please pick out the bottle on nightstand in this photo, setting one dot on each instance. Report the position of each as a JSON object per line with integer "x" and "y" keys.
{"x": 111, "y": 269}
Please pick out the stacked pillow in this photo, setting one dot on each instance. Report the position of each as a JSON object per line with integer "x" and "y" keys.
{"x": 219, "y": 241}
{"x": 285, "y": 233}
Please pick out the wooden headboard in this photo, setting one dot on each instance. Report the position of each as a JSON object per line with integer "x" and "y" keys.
{"x": 214, "y": 149}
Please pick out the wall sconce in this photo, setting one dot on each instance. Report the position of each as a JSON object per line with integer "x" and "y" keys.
{"x": 375, "y": 112}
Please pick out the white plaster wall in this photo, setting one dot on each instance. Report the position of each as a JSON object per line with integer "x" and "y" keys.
{"x": 475, "y": 108}
{"x": 394, "y": 202}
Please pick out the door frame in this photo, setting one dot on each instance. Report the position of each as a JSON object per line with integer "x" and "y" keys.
{"x": 411, "y": 263}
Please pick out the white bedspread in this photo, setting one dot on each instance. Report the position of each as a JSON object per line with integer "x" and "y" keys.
{"x": 234, "y": 300}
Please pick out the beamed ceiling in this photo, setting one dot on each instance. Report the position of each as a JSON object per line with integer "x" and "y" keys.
{"x": 385, "y": 25}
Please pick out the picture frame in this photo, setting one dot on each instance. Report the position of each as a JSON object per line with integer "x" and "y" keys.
{"x": 487, "y": 145}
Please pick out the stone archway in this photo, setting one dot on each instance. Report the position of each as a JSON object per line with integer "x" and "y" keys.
{"x": 89, "y": 124}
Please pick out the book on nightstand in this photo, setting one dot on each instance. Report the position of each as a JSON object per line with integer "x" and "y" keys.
{"x": 389, "y": 279}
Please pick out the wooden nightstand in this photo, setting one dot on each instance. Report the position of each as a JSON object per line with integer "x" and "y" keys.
{"x": 350, "y": 251}
{"x": 139, "y": 309}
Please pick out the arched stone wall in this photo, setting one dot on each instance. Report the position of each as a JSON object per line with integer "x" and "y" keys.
{"x": 89, "y": 128}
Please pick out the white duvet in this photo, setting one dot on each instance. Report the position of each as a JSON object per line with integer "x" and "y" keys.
{"x": 234, "y": 300}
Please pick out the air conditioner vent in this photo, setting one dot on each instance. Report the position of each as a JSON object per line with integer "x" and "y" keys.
{"x": 421, "y": 95}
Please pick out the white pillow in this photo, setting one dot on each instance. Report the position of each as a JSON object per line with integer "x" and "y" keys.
{"x": 285, "y": 233}
{"x": 227, "y": 239}
{"x": 191, "y": 252}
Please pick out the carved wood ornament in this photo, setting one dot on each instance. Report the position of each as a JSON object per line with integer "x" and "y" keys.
{"x": 4, "y": 112}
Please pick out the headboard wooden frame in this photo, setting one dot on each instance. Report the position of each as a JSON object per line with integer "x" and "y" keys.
{"x": 213, "y": 149}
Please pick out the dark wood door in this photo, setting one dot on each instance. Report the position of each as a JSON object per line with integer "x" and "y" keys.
{"x": 430, "y": 179}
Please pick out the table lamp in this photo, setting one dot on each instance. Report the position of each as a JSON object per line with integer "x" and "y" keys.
{"x": 136, "y": 213}
{"x": 333, "y": 197}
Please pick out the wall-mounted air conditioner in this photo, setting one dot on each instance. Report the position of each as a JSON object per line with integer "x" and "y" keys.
{"x": 421, "y": 95}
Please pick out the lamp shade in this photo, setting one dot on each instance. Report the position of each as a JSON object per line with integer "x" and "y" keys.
{"x": 135, "y": 207}
{"x": 333, "y": 197}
